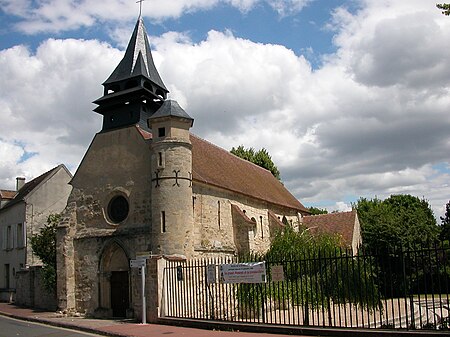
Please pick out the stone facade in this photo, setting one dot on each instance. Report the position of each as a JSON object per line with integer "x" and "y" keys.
{"x": 251, "y": 220}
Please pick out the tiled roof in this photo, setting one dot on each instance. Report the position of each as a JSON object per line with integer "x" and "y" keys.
{"x": 342, "y": 223}
{"x": 215, "y": 166}
{"x": 7, "y": 194}
{"x": 30, "y": 186}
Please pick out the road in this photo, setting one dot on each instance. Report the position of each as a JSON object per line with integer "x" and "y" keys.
{"x": 10, "y": 327}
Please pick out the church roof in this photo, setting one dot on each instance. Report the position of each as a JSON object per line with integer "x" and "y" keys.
{"x": 30, "y": 186}
{"x": 171, "y": 108}
{"x": 342, "y": 223}
{"x": 215, "y": 166}
{"x": 138, "y": 59}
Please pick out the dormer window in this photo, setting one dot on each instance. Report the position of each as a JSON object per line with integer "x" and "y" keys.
{"x": 161, "y": 132}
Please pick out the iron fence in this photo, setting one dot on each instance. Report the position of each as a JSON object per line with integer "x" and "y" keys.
{"x": 398, "y": 289}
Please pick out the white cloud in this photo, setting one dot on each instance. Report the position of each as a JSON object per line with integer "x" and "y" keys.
{"x": 46, "y": 102}
{"x": 372, "y": 121}
{"x": 63, "y": 15}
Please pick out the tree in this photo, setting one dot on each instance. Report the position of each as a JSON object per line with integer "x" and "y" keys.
{"x": 316, "y": 278}
{"x": 261, "y": 158}
{"x": 444, "y": 7}
{"x": 445, "y": 224}
{"x": 317, "y": 211}
{"x": 43, "y": 245}
{"x": 400, "y": 220}
{"x": 390, "y": 227}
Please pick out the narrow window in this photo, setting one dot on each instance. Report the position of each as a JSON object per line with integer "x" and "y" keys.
{"x": 161, "y": 132}
{"x": 262, "y": 230}
{"x": 8, "y": 238}
{"x": 7, "y": 276}
{"x": 163, "y": 221}
{"x": 218, "y": 212}
{"x": 160, "y": 159}
{"x": 19, "y": 235}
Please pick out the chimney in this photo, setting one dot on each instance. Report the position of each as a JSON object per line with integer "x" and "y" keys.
{"x": 20, "y": 181}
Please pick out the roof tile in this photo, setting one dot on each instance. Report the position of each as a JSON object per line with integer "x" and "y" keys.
{"x": 334, "y": 223}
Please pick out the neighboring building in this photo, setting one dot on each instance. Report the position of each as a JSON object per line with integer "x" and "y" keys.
{"x": 22, "y": 216}
{"x": 146, "y": 184}
{"x": 6, "y": 196}
{"x": 344, "y": 224}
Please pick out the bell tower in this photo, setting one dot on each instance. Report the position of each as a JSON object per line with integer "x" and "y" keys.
{"x": 134, "y": 91}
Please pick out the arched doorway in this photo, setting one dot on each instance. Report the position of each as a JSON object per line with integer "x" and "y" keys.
{"x": 114, "y": 280}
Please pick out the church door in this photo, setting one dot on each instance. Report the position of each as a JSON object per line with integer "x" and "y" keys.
{"x": 119, "y": 293}
{"x": 114, "y": 280}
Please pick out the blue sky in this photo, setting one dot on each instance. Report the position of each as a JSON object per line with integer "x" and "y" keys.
{"x": 350, "y": 97}
{"x": 303, "y": 31}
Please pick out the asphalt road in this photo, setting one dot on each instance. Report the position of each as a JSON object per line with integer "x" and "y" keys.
{"x": 10, "y": 327}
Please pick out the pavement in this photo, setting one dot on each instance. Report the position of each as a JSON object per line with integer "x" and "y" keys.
{"x": 119, "y": 328}
{"x": 128, "y": 328}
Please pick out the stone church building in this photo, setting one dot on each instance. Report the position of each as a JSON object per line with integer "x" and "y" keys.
{"x": 146, "y": 185}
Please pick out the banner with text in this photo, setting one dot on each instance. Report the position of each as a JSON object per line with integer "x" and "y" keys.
{"x": 252, "y": 272}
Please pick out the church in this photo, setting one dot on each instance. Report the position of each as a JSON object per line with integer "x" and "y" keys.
{"x": 147, "y": 185}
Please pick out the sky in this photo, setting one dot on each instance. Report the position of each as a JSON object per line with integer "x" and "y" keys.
{"x": 350, "y": 97}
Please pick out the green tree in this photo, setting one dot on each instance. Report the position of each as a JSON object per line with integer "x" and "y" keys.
{"x": 400, "y": 220}
{"x": 317, "y": 211}
{"x": 444, "y": 7}
{"x": 323, "y": 273}
{"x": 43, "y": 245}
{"x": 261, "y": 158}
{"x": 445, "y": 224}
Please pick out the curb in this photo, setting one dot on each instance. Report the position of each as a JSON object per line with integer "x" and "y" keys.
{"x": 297, "y": 330}
{"x": 62, "y": 325}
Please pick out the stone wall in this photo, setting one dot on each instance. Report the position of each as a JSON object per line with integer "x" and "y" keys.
{"x": 213, "y": 219}
{"x": 31, "y": 291}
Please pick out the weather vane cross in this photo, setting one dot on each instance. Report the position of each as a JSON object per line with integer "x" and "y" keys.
{"x": 140, "y": 6}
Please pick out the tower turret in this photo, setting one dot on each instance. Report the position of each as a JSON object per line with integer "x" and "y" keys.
{"x": 172, "y": 214}
{"x": 134, "y": 91}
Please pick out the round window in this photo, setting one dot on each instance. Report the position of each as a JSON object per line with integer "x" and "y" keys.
{"x": 118, "y": 209}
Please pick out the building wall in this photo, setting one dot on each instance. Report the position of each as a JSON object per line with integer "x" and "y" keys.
{"x": 32, "y": 291}
{"x": 116, "y": 163}
{"x": 49, "y": 198}
{"x": 13, "y": 251}
{"x": 25, "y": 219}
{"x": 213, "y": 220}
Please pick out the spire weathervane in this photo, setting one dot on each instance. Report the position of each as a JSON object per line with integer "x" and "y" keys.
{"x": 140, "y": 6}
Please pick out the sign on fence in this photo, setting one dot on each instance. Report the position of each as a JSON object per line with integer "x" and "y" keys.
{"x": 277, "y": 273}
{"x": 252, "y": 272}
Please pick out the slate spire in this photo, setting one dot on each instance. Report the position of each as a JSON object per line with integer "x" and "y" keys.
{"x": 138, "y": 53}
{"x": 134, "y": 90}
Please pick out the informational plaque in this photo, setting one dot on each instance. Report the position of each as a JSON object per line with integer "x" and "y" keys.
{"x": 277, "y": 273}
{"x": 252, "y": 272}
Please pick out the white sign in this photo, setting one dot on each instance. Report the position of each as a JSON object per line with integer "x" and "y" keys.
{"x": 277, "y": 273}
{"x": 143, "y": 255}
{"x": 138, "y": 263}
{"x": 252, "y": 272}
{"x": 211, "y": 273}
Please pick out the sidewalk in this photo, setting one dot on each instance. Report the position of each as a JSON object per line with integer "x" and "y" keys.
{"x": 119, "y": 328}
